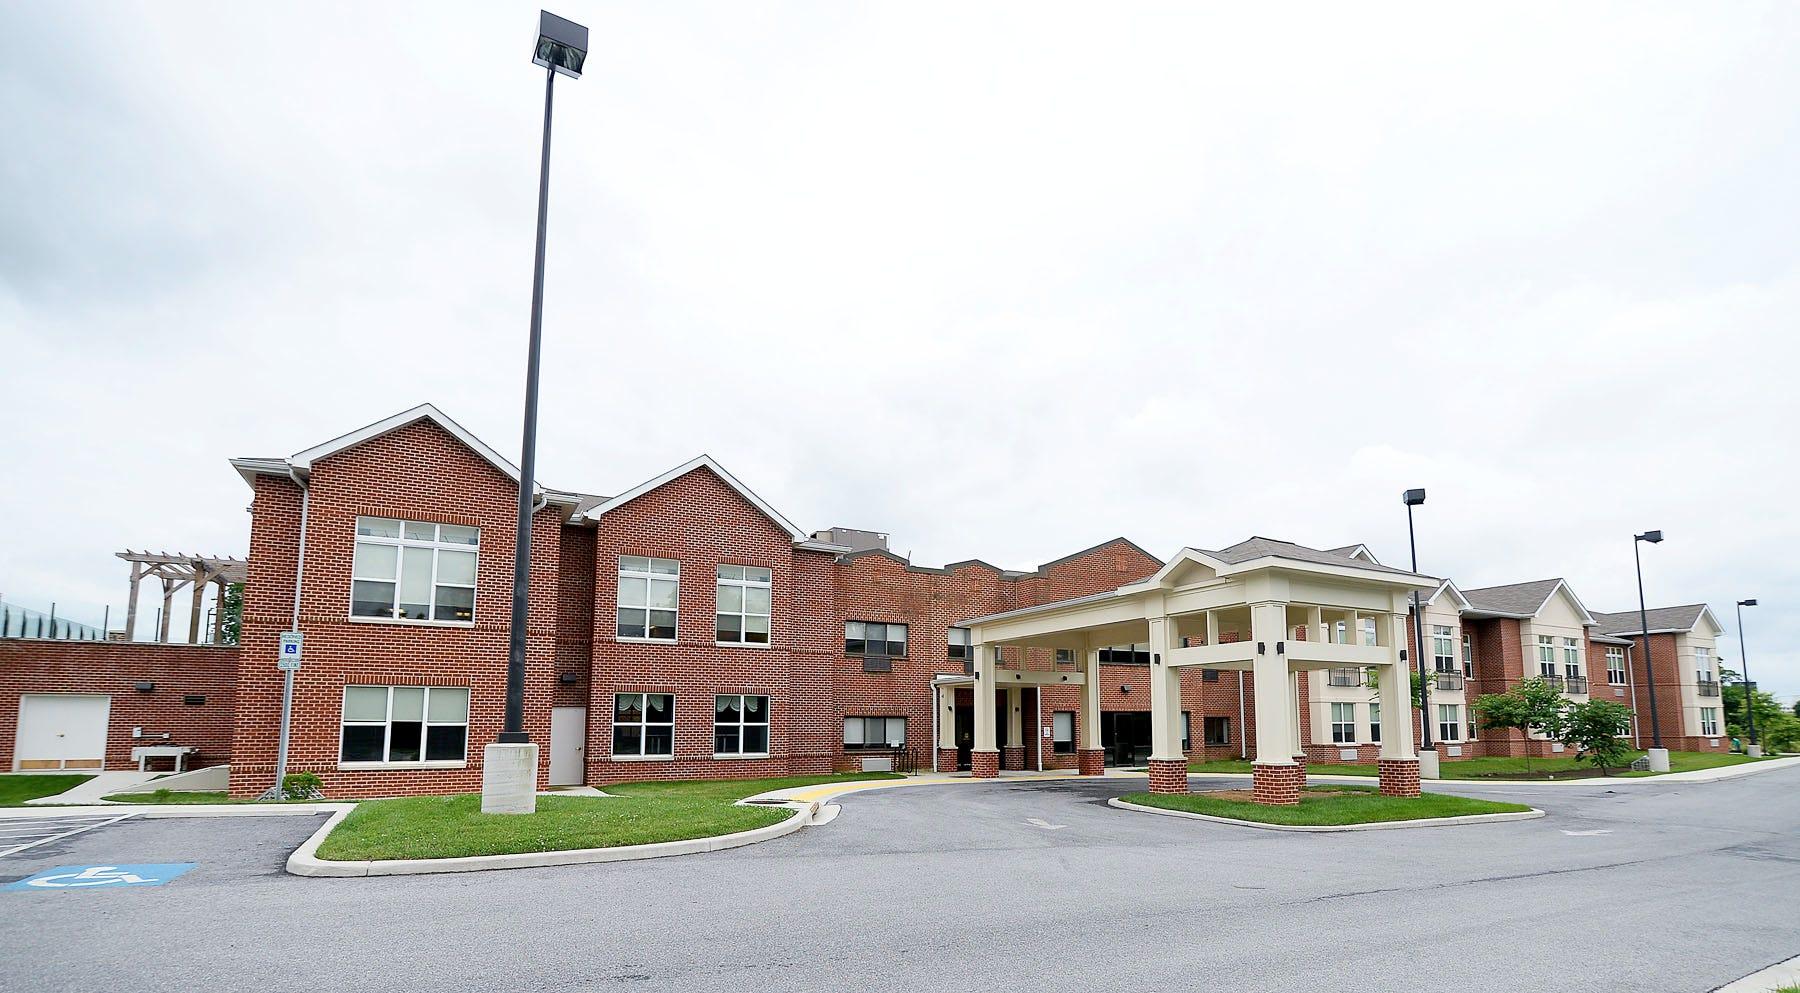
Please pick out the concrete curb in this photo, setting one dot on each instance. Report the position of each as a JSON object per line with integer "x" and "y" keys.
{"x": 1694, "y": 776}
{"x": 1523, "y": 815}
{"x": 178, "y": 809}
{"x": 1763, "y": 981}
{"x": 305, "y": 860}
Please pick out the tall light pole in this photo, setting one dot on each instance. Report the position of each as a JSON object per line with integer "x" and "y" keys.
{"x": 509, "y": 767}
{"x": 1749, "y": 687}
{"x": 1428, "y": 757}
{"x": 1658, "y": 755}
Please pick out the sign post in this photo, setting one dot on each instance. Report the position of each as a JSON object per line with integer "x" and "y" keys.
{"x": 288, "y": 661}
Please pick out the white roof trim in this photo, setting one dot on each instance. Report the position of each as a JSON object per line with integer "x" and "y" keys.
{"x": 1563, "y": 585}
{"x": 1362, "y": 551}
{"x": 1462, "y": 602}
{"x": 1195, "y": 555}
{"x": 303, "y": 461}
{"x": 704, "y": 461}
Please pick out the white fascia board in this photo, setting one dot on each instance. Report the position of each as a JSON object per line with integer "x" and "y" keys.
{"x": 704, "y": 461}
{"x": 1176, "y": 560}
{"x": 1406, "y": 579}
{"x": 249, "y": 469}
{"x": 303, "y": 461}
{"x": 1043, "y": 608}
{"x": 1706, "y": 612}
{"x": 1462, "y": 602}
{"x": 1563, "y": 586}
{"x": 822, "y": 546}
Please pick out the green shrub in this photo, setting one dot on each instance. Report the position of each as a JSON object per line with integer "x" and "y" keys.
{"x": 301, "y": 786}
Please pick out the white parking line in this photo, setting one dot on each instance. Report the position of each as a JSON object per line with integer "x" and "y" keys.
{"x": 59, "y": 828}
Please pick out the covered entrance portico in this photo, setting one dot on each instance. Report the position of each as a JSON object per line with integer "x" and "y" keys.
{"x": 1267, "y": 608}
{"x": 1016, "y": 714}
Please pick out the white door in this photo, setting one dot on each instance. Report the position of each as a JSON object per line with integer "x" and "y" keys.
{"x": 59, "y": 731}
{"x": 568, "y": 746}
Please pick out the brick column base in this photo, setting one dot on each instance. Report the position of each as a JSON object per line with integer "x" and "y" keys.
{"x": 1300, "y": 760}
{"x": 984, "y": 765}
{"x": 1168, "y": 776}
{"x": 1399, "y": 777}
{"x": 946, "y": 760}
{"x": 1276, "y": 785}
{"x": 1093, "y": 761}
{"x": 1014, "y": 756}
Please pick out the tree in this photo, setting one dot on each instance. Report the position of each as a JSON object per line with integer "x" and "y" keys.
{"x": 1594, "y": 729}
{"x": 1773, "y": 723}
{"x": 1530, "y": 705}
{"x": 232, "y": 609}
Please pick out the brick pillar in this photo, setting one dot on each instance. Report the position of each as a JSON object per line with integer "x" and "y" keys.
{"x": 1399, "y": 777}
{"x": 1093, "y": 761}
{"x": 1300, "y": 760}
{"x": 984, "y": 765}
{"x": 946, "y": 760}
{"x": 1014, "y": 756}
{"x": 1168, "y": 776}
{"x": 1276, "y": 785}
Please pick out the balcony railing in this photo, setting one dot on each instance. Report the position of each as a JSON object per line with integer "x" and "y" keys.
{"x": 1555, "y": 681}
{"x": 1575, "y": 684}
{"x": 1346, "y": 677}
{"x": 1709, "y": 687}
{"x": 1449, "y": 681}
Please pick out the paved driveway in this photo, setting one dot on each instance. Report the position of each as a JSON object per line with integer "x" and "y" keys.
{"x": 1664, "y": 887}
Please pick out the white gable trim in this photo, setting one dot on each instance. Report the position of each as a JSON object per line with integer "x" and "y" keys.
{"x": 706, "y": 462}
{"x": 1462, "y": 602}
{"x": 1185, "y": 555}
{"x": 423, "y": 412}
{"x": 1580, "y": 608}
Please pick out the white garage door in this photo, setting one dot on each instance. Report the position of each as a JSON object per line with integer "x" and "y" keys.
{"x": 60, "y": 731}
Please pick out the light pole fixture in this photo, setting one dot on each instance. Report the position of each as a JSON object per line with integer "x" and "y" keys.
{"x": 1656, "y": 745}
{"x": 1749, "y": 687}
{"x": 1415, "y": 498}
{"x": 561, "y": 49}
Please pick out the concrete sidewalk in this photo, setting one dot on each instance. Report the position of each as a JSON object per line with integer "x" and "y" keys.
{"x": 103, "y": 784}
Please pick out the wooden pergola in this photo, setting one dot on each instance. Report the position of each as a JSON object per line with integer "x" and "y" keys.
{"x": 176, "y": 571}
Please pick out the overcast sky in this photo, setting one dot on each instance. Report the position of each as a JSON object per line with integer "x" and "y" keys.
{"x": 1004, "y": 280}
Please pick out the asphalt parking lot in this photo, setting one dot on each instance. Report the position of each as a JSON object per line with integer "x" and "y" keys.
{"x": 1654, "y": 887}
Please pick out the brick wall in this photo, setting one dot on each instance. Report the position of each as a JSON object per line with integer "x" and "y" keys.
{"x": 419, "y": 472}
{"x": 114, "y": 669}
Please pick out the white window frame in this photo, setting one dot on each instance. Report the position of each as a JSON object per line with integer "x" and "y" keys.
{"x": 1375, "y": 723}
{"x": 1223, "y": 742}
{"x": 1443, "y": 648}
{"x": 861, "y": 742}
{"x": 887, "y": 629}
{"x": 1450, "y": 726}
{"x": 1468, "y": 655}
{"x": 387, "y": 724}
{"x": 1546, "y": 656}
{"x": 958, "y": 638}
{"x": 648, "y": 574}
{"x": 401, "y": 546}
{"x": 1343, "y": 732}
{"x": 643, "y": 724}
{"x": 741, "y": 724}
{"x": 1615, "y": 666}
{"x": 1703, "y": 670}
{"x": 1572, "y": 657}
{"x": 1061, "y": 744}
{"x": 1709, "y": 722}
{"x": 744, "y": 584}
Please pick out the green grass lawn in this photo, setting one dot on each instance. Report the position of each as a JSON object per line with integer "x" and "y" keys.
{"x": 18, "y": 788}
{"x": 1558, "y": 766}
{"x": 1328, "y": 805}
{"x": 435, "y": 827}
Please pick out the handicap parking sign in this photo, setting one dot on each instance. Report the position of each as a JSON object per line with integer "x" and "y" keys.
{"x": 92, "y": 877}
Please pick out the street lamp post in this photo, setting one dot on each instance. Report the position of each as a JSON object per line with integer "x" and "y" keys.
{"x": 509, "y": 764}
{"x": 1658, "y": 755}
{"x": 1753, "y": 748}
{"x": 1428, "y": 756}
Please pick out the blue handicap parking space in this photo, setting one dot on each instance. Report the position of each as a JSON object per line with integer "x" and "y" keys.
{"x": 90, "y": 877}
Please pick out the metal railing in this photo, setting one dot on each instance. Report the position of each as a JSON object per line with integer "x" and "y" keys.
{"x": 899, "y": 755}
{"x": 1449, "y": 681}
{"x": 23, "y": 622}
{"x": 1555, "y": 681}
{"x": 1709, "y": 687}
{"x": 1575, "y": 684}
{"x": 1345, "y": 677}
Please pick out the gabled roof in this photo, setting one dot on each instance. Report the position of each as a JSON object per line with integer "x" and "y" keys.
{"x": 600, "y": 509}
{"x": 1663, "y": 620}
{"x": 1258, "y": 547}
{"x": 1447, "y": 589}
{"x": 1522, "y": 600}
{"x": 1355, "y": 552}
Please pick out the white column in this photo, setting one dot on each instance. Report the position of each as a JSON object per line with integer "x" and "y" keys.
{"x": 984, "y": 699}
{"x": 1315, "y": 625}
{"x": 1015, "y": 715}
{"x": 946, "y": 717}
{"x": 1165, "y": 693}
{"x": 1293, "y": 699}
{"x": 1396, "y": 697}
{"x": 1212, "y": 627}
{"x": 1090, "y": 701}
{"x": 1274, "y": 718}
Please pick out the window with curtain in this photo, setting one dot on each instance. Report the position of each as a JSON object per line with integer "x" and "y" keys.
{"x": 643, "y": 724}
{"x": 404, "y": 724}
{"x": 740, "y": 724}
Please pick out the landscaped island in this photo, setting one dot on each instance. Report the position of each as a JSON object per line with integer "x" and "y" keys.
{"x": 1322, "y": 806}
{"x": 440, "y": 827}
{"x": 1554, "y": 767}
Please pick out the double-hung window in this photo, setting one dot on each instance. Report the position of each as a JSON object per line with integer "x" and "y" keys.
{"x": 1709, "y": 721}
{"x": 1062, "y": 732}
{"x": 1375, "y": 723}
{"x": 1468, "y": 655}
{"x": 1702, "y": 664}
{"x": 404, "y": 724}
{"x": 743, "y": 611}
{"x": 875, "y": 638}
{"x": 958, "y": 639}
{"x": 1449, "y": 722}
{"x": 1546, "y": 652}
{"x": 1443, "y": 648}
{"x": 1615, "y": 666}
{"x": 643, "y": 724}
{"x": 1343, "y": 723}
{"x": 649, "y": 591}
{"x": 413, "y": 570}
{"x": 740, "y": 724}
{"x": 864, "y": 733}
{"x": 1216, "y": 730}
{"x": 1572, "y": 658}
